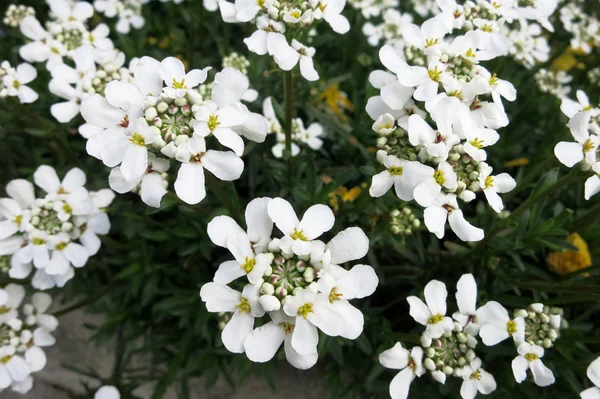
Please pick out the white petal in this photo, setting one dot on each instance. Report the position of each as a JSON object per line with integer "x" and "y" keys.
{"x": 466, "y": 294}
{"x": 283, "y": 215}
{"x": 297, "y": 360}
{"x": 463, "y": 229}
{"x": 47, "y": 179}
{"x": 36, "y": 358}
{"x": 18, "y": 369}
{"x": 263, "y": 342}
{"x": 107, "y": 392}
{"x": 189, "y": 185}
{"x": 228, "y": 271}
{"x": 236, "y": 331}
{"x": 400, "y": 385}
{"x": 394, "y": 358}
{"x": 381, "y": 184}
{"x": 493, "y": 334}
{"x": 219, "y": 297}
{"x": 435, "y": 220}
{"x": 347, "y": 245}
{"x": 152, "y": 189}
{"x": 229, "y": 87}
{"x": 76, "y": 254}
{"x": 316, "y": 220}
{"x": 568, "y": 153}
{"x": 435, "y": 296}
{"x": 221, "y": 228}
{"x": 305, "y": 337}
{"x": 418, "y": 310}
{"x": 542, "y": 375}
{"x": 225, "y": 165}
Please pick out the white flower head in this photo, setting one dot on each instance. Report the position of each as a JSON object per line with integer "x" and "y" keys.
{"x": 432, "y": 314}
{"x": 410, "y": 364}
{"x": 530, "y": 359}
{"x": 476, "y": 379}
{"x": 496, "y": 325}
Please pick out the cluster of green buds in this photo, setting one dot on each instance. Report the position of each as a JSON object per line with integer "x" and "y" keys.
{"x": 99, "y": 82}
{"x": 16, "y": 13}
{"x": 287, "y": 274}
{"x": 8, "y": 336}
{"x": 5, "y": 264}
{"x": 466, "y": 169}
{"x": 71, "y": 37}
{"x": 205, "y": 90}
{"x": 223, "y": 319}
{"x": 403, "y": 221}
{"x": 553, "y": 82}
{"x": 397, "y": 144}
{"x": 542, "y": 324}
{"x": 479, "y": 10}
{"x": 460, "y": 67}
{"x": 44, "y": 217}
{"x": 594, "y": 75}
{"x": 449, "y": 353}
{"x": 237, "y": 61}
{"x": 415, "y": 56}
{"x": 173, "y": 117}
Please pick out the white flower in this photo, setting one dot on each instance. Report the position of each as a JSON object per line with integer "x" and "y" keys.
{"x": 492, "y": 185}
{"x": 409, "y": 362}
{"x": 584, "y": 149}
{"x": 299, "y": 234}
{"x": 35, "y": 313}
{"x": 306, "y": 55}
{"x": 172, "y": 72}
{"x": 246, "y": 261}
{"x": 65, "y": 253}
{"x": 438, "y": 142}
{"x": 269, "y": 38}
{"x": 530, "y": 359}
{"x": 15, "y": 210}
{"x": 71, "y": 12}
{"x": 429, "y": 35}
{"x": 43, "y": 46}
{"x": 46, "y": 178}
{"x": 151, "y": 184}
{"x": 332, "y": 13}
{"x": 211, "y": 119}
{"x": 402, "y": 174}
{"x": 593, "y": 373}
{"x": 245, "y": 305}
{"x": 247, "y": 9}
{"x": 476, "y": 379}
{"x": 263, "y": 342}
{"x": 592, "y": 184}
{"x": 385, "y": 124}
{"x": 312, "y": 311}
{"x": 107, "y": 392}
{"x": 12, "y": 296}
{"x": 16, "y": 81}
{"x": 189, "y": 186}
{"x": 496, "y": 325}
{"x": 466, "y": 298}
{"x": 34, "y": 355}
{"x": 13, "y": 367}
{"x": 311, "y": 135}
{"x": 433, "y": 314}
{"x": 430, "y": 188}
{"x": 444, "y": 208}
{"x": 570, "y": 107}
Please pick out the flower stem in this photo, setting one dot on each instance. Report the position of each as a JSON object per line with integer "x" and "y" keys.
{"x": 224, "y": 197}
{"x": 288, "y": 95}
{"x": 86, "y": 301}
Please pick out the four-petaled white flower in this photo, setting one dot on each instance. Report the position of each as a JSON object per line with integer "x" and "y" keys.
{"x": 410, "y": 364}
{"x": 433, "y": 314}
{"x": 496, "y": 325}
{"x": 16, "y": 81}
{"x": 404, "y": 175}
{"x": 530, "y": 358}
{"x": 476, "y": 379}
{"x": 492, "y": 185}
{"x": 466, "y": 298}
{"x": 445, "y": 207}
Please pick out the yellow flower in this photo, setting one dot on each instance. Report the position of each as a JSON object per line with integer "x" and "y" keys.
{"x": 336, "y": 100}
{"x": 567, "y": 60}
{"x": 569, "y": 261}
{"x": 345, "y": 194}
{"x": 516, "y": 162}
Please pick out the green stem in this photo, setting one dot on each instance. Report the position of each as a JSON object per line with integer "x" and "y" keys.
{"x": 586, "y": 220}
{"x": 86, "y": 301}
{"x": 288, "y": 96}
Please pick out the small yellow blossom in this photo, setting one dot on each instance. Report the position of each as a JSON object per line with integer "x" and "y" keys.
{"x": 345, "y": 194}
{"x": 567, "y": 60}
{"x": 335, "y": 100}
{"x": 569, "y": 261}
{"x": 516, "y": 163}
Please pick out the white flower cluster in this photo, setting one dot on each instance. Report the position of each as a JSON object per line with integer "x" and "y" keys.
{"x": 15, "y": 14}
{"x": 128, "y": 12}
{"x": 296, "y": 279}
{"x": 53, "y": 233}
{"x": 425, "y": 8}
{"x": 553, "y": 82}
{"x": 373, "y": 8}
{"x": 389, "y": 30}
{"x": 13, "y": 82}
{"x": 448, "y": 346}
{"x": 65, "y": 31}
{"x": 310, "y": 136}
{"x": 585, "y": 152}
{"x": 24, "y": 331}
{"x": 584, "y": 28}
{"x": 138, "y": 127}
{"x": 280, "y": 21}
{"x": 528, "y": 45}
{"x": 438, "y": 165}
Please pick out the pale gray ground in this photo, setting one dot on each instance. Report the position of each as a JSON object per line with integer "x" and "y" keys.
{"x": 72, "y": 347}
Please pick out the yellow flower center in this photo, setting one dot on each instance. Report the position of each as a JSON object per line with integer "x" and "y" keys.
{"x": 16, "y": 84}
{"x": 470, "y": 53}
{"x": 435, "y": 74}
{"x": 248, "y": 264}
{"x": 589, "y": 107}
{"x": 296, "y": 14}
{"x": 456, "y": 93}
{"x": 531, "y": 357}
{"x": 489, "y": 181}
{"x": 67, "y": 208}
{"x": 213, "y": 122}
{"x": 138, "y": 139}
{"x": 477, "y": 143}
{"x": 511, "y": 327}
{"x": 243, "y": 306}
{"x": 38, "y": 241}
{"x": 395, "y": 170}
{"x": 486, "y": 28}
{"x": 178, "y": 84}
{"x": 436, "y": 318}
{"x": 288, "y": 328}
{"x": 61, "y": 245}
{"x": 322, "y": 7}
{"x": 18, "y": 219}
{"x": 438, "y": 175}
{"x": 54, "y": 50}
{"x": 4, "y": 310}
{"x": 306, "y": 309}
{"x": 5, "y": 359}
{"x": 431, "y": 42}
{"x": 476, "y": 375}
{"x": 588, "y": 146}
{"x": 298, "y": 235}
{"x": 494, "y": 80}
{"x": 61, "y": 190}
{"x": 261, "y": 3}
{"x": 334, "y": 295}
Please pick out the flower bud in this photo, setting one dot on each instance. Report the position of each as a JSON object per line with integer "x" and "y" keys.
{"x": 547, "y": 343}
{"x": 280, "y": 291}
{"x": 268, "y": 271}
{"x": 181, "y": 101}
{"x": 268, "y": 289}
{"x": 429, "y": 364}
{"x": 301, "y": 266}
{"x": 309, "y": 274}
{"x": 521, "y": 313}
{"x": 430, "y": 352}
{"x": 447, "y": 370}
{"x": 162, "y": 107}
{"x": 462, "y": 337}
{"x": 269, "y": 303}
{"x": 470, "y": 355}
{"x": 150, "y": 114}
